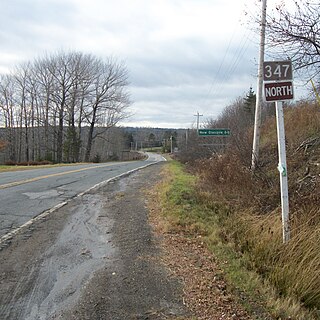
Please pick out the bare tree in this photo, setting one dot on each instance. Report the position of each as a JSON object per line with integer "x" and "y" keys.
{"x": 108, "y": 99}
{"x": 8, "y": 110}
{"x": 60, "y": 67}
{"x": 295, "y": 29}
{"x": 47, "y": 104}
{"x": 83, "y": 74}
{"x": 44, "y": 79}
{"x": 22, "y": 78}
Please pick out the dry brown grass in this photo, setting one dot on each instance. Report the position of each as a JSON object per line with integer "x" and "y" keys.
{"x": 254, "y": 221}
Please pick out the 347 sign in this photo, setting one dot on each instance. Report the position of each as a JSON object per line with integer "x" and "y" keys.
{"x": 277, "y": 70}
{"x": 277, "y": 76}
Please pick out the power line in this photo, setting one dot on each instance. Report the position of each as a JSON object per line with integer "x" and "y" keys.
{"x": 218, "y": 82}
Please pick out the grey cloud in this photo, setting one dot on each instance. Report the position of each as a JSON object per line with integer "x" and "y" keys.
{"x": 180, "y": 73}
{"x": 188, "y": 61}
{"x": 23, "y": 24}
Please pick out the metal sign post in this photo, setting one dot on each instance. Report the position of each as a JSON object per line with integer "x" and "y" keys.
{"x": 278, "y": 87}
{"x": 282, "y": 167}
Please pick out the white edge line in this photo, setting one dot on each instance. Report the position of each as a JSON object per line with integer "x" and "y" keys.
{"x": 44, "y": 214}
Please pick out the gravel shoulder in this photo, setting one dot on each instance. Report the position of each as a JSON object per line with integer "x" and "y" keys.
{"x": 135, "y": 284}
{"x": 95, "y": 258}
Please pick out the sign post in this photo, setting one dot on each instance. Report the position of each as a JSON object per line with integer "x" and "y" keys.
{"x": 282, "y": 167}
{"x": 279, "y": 87}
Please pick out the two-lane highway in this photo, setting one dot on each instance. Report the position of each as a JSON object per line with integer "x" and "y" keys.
{"x": 26, "y": 194}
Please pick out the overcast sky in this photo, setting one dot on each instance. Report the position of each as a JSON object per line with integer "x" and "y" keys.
{"x": 183, "y": 56}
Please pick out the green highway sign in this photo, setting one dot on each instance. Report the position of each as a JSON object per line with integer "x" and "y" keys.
{"x": 214, "y": 132}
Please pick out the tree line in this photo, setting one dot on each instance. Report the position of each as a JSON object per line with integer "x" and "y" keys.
{"x": 50, "y": 107}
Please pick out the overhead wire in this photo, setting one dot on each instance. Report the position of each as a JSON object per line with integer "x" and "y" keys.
{"x": 229, "y": 71}
{"x": 220, "y": 80}
{"x": 219, "y": 68}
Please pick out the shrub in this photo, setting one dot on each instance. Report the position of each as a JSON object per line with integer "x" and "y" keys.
{"x": 10, "y": 163}
{"x": 96, "y": 158}
{"x": 30, "y": 163}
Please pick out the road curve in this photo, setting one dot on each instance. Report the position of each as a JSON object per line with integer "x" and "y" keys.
{"x": 25, "y": 195}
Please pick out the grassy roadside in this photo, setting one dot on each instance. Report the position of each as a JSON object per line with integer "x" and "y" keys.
{"x": 183, "y": 212}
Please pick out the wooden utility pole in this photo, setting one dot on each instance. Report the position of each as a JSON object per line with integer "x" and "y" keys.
{"x": 198, "y": 115}
{"x": 257, "y": 119}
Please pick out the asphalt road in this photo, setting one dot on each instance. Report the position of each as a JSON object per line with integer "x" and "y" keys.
{"x": 97, "y": 257}
{"x": 25, "y": 195}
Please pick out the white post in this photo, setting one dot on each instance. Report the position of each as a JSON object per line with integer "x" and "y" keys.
{"x": 282, "y": 167}
{"x": 257, "y": 119}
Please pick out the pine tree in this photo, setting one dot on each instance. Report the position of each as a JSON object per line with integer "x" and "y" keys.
{"x": 250, "y": 101}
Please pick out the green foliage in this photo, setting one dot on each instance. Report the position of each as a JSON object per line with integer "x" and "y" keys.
{"x": 180, "y": 201}
{"x": 49, "y": 156}
{"x": 128, "y": 140}
{"x": 151, "y": 137}
{"x": 96, "y": 158}
{"x": 71, "y": 146}
{"x": 250, "y": 101}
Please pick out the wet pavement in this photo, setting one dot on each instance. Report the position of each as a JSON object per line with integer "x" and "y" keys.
{"x": 94, "y": 258}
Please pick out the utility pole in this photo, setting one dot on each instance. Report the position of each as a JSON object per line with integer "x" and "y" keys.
{"x": 198, "y": 115}
{"x": 187, "y": 133}
{"x": 257, "y": 119}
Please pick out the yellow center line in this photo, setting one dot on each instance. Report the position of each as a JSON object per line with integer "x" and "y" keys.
{"x": 17, "y": 183}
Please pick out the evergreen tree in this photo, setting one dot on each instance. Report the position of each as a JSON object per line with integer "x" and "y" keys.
{"x": 250, "y": 101}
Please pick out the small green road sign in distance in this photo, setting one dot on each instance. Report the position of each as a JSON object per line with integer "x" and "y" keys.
{"x": 214, "y": 132}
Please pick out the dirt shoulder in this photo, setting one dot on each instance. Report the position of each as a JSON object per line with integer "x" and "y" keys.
{"x": 135, "y": 285}
{"x": 205, "y": 291}
{"x": 104, "y": 256}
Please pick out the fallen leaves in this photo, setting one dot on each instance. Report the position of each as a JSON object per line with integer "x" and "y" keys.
{"x": 205, "y": 291}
